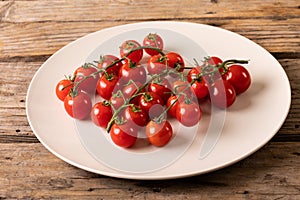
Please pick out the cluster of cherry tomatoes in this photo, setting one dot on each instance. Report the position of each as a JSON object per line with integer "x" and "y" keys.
{"x": 141, "y": 93}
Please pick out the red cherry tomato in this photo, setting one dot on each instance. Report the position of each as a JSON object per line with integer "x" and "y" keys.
{"x": 175, "y": 61}
{"x": 101, "y": 114}
{"x": 238, "y": 77}
{"x": 123, "y": 135}
{"x": 153, "y": 40}
{"x": 106, "y": 85}
{"x": 182, "y": 87}
{"x": 162, "y": 88}
{"x": 222, "y": 93}
{"x": 193, "y": 73}
{"x": 188, "y": 113}
{"x": 157, "y": 64}
{"x": 200, "y": 89}
{"x": 159, "y": 133}
{"x": 116, "y": 101}
{"x": 213, "y": 60}
{"x": 130, "y": 90}
{"x": 210, "y": 65}
{"x": 89, "y": 84}
{"x": 107, "y": 60}
{"x": 132, "y": 72}
{"x": 63, "y": 88}
{"x": 79, "y": 106}
{"x": 136, "y": 115}
{"x": 129, "y": 45}
{"x": 152, "y": 104}
{"x": 173, "y": 102}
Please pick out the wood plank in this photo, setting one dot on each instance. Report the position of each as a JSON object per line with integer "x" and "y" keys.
{"x": 43, "y": 39}
{"x": 131, "y": 10}
{"x": 30, "y": 171}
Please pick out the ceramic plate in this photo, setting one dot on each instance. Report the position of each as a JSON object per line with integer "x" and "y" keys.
{"x": 221, "y": 138}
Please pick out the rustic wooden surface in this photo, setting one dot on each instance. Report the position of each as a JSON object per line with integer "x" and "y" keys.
{"x": 31, "y": 31}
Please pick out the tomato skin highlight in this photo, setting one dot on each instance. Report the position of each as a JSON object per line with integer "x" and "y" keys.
{"x": 162, "y": 89}
{"x": 101, "y": 114}
{"x": 107, "y": 60}
{"x": 238, "y": 77}
{"x": 157, "y": 64}
{"x": 193, "y": 73}
{"x": 200, "y": 89}
{"x": 152, "y": 104}
{"x": 89, "y": 84}
{"x": 132, "y": 72}
{"x": 136, "y": 115}
{"x": 222, "y": 94}
{"x": 159, "y": 133}
{"x": 122, "y": 135}
{"x": 116, "y": 102}
{"x": 129, "y": 45}
{"x": 78, "y": 107}
{"x": 153, "y": 40}
{"x": 214, "y": 60}
{"x": 171, "y": 101}
{"x": 63, "y": 88}
{"x": 106, "y": 85}
{"x": 175, "y": 61}
{"x": 188, "y": 114}
{"x": 130, "y": 90}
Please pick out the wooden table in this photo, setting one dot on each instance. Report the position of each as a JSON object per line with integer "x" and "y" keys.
{"x": 31, "y": 31}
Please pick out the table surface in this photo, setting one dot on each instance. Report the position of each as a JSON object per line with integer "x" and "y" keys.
{"x": 31, "y": 31}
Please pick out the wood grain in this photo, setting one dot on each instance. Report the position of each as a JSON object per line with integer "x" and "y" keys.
{"x": 131, "y": 10}
{"x": 30, "y": 171}
{"x": 44, "y": 38}
{"x": 32, "y": 30}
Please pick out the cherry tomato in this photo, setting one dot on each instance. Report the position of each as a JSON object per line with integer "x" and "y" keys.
{"x": 123, "y": 135}
{"x": 181, "y": 87}
{"x": 222, "y": 93}
{"x": 106, "y": 85}
{"x": 210, "y": 65}
{"x": 162, "y": 88}
{"x": 152, "y": 104}
{"x": 137, "y": 115}
{"x": 132, "y": 72}
{"x": 129, "y": 45}
{"x": 130, "y": 90}
{"x": 175, "y": 61}
{"x": 213, "y": 60}
{"x": 116, "y": 101}
{"x": 172, "y": 101}
{"x": 101, "y": 114}
{"x": 89, "y": 84}
{"x": 238, "y": 77}
{"x": 188, "y": 113}
{"x": 159, "y": 133}
{"x": 193, "y": 73}
{"x": 200, "y": 89}
{"x": 157, "y": 64}
{"x": 79, "y": 106}
{"x": 153, "y": 40}
{"x": 107, "y": 60}
{"x": 63, "y": 88}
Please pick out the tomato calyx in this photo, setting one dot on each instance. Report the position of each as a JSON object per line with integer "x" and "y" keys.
{"x": 135, "y": 108}
{"x": 106, "y": 103}
{"x": 148, "y": 97}
{"x": 109, "y": 76}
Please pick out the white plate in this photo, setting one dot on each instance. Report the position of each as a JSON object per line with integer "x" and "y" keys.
{"x": 250, "y": 123}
